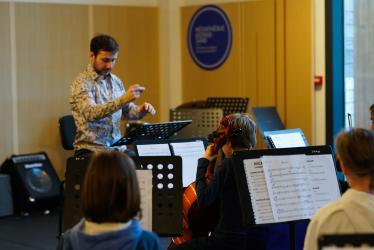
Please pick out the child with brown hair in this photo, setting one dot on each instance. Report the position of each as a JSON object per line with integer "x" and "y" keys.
{"x": 111, "y": 205}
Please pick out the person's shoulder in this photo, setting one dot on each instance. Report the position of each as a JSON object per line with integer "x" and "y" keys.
{"x": 87, "y": 75}
{"x": 330, "y": 212}
{"x": 64, "y": 242}
{"x": 148, "y": 240}
{"x": 151, "y": 236}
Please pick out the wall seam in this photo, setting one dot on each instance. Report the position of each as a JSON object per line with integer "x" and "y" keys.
{"x": 14, "y": 87}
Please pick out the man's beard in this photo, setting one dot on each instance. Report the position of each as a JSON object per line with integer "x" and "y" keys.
{"x": 102, "y": 72}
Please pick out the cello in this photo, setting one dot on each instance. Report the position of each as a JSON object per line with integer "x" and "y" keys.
{"x": 199, "y": 221}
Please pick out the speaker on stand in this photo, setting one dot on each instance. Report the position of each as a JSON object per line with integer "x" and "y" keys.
{"x": 34, "y": 182}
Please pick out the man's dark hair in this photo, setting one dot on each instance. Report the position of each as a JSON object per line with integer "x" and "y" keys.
{"x": 372, "y": 108}
{"x": 104, "y": 43}
{"x": 111, "y": 190}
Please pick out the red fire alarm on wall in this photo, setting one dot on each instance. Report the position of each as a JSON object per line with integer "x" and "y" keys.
{"x": 318, "y": 81}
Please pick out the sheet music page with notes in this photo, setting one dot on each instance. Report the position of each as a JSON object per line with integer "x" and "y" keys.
{"x": 161, "y": 149}
{"x": 288, "y": 140}
{"x": 323, "y": 180}
{"x": 145, "y": 186}
{"x": 257, "y": 187}
{"x": 190, "y": 153}
{"x": 290, "y": 187}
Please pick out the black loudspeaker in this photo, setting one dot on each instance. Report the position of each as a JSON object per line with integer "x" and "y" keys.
{"x": 34, "y": 182}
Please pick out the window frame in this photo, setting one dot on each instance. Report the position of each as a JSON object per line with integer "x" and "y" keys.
{"x": 335, "y": 100}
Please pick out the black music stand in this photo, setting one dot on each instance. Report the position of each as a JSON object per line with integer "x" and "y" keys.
{"x": 166, "y": 201}
{"x": 166, "y": 193}
{"x": 229, "y": 105}
{"x": 358, "y": 241}
{"x": 188, "y": 168}
{"x": 267, "y": 119}
{"x": 204, "y": 121}
{"x": 283, "y": 138}
{"x": 152, "y": 131}
{"x": 247, "y": 197}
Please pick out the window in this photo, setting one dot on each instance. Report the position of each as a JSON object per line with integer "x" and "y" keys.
{"x": 349, "y": 64}
{"x": 358, "y": 60}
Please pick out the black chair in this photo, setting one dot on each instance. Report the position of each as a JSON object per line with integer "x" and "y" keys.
{"x": 67, "y": 131}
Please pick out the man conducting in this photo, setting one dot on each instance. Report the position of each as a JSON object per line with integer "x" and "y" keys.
{"x": 99, "y": 100}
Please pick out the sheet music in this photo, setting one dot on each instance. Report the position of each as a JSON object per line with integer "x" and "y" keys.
{"x": 289, "y": 187}
{"x": 145, "y": 186}
{"x": 161, "y": 149}
{"x": 323, "y": 180}
{"x": 299, "y": 185}
{"x": 260, "y": 199}
{"x": 190, "y": 153}
{"x": 288, "y": 140}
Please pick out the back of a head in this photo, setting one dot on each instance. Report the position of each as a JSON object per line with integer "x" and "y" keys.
{"x": 103, "y": 43}
{"x": 355, "y": 148}
{"x": 242, "y": 132}
{"x": 111, "y": 191}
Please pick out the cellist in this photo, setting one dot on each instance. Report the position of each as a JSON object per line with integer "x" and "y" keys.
{"x": 230, "y": 233}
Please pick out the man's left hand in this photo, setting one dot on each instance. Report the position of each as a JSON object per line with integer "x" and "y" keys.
{"x": 146, "y": 108}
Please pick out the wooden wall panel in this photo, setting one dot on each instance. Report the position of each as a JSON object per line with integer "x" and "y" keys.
{"x": 271, "y": 59}
{"x": 198, "y": 84}
{"x": 280, "y": 57}
{"x": 136, "y": 30}
{"x": 258, "y": 52}
{"x": 6, "y": 135}
{"x": 299, "y": 65}
{"x": 258, "y": 48}
{"x": 52, "y": 48}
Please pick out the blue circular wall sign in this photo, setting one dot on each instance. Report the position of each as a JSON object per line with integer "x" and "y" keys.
{"x": 209, "y": 37}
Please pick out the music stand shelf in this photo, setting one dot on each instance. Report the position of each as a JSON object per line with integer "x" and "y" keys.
{"x": 204, "y": 121}
{"x": 229, "y": 105}
{"x": 152, "y": 131}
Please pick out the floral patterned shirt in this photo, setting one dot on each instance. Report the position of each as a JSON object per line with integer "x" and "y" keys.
{"x": 97, "y": 110}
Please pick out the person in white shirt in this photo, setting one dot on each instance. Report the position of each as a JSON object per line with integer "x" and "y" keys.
{"x": 354, "y": 211}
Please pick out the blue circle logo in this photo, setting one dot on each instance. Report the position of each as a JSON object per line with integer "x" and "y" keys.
{"x": 209, "y": 37}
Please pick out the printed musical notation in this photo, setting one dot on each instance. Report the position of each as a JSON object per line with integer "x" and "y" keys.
{"x": 259, "y": 194}
{"x": 190, "y": 153}
{"x": 290, "y": 187}
{"x": 161, "y": 149}
{"x": 145, "y": 186}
